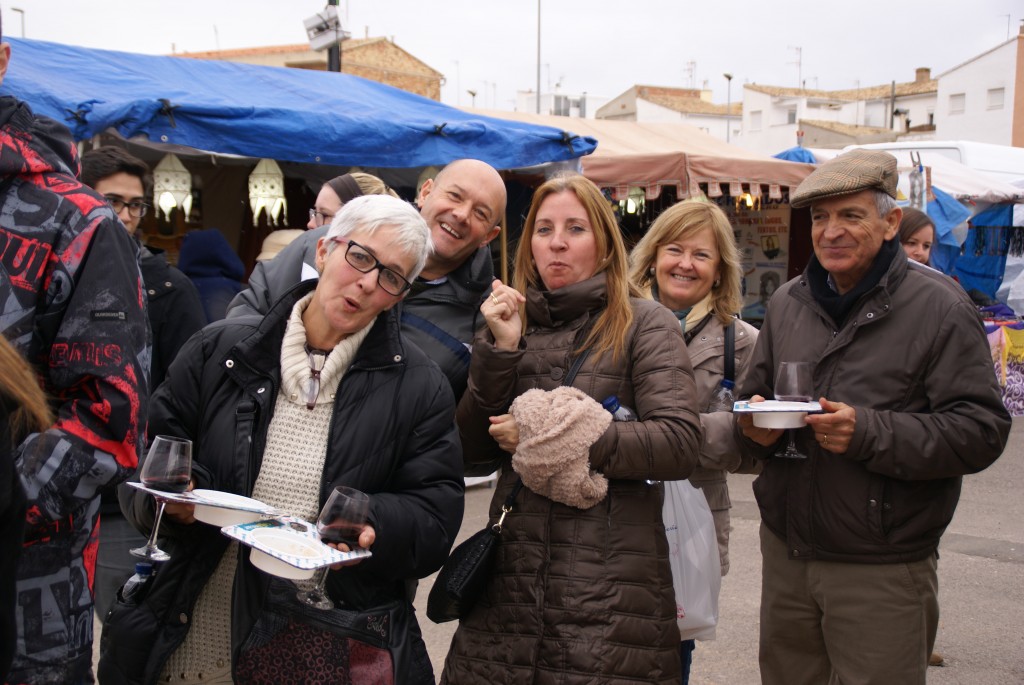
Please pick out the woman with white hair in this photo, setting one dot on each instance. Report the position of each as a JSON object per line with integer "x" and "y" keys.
{"x": 321, "y": 392}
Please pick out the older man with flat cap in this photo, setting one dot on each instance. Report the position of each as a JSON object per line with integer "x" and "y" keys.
{"x": 850, "y": 533}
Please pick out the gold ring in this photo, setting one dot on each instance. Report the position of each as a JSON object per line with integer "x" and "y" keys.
{"x": 494, "y": 299}
{"x": 824, "y": 440}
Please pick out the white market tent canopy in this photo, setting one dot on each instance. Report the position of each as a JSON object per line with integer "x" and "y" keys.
{"x": 654, "y": 155}
{"x": 959, "y": 180}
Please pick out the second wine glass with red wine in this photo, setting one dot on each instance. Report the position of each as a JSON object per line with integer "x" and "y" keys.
{"x": 168, "y": 468}
{"x": 341, "y": 521}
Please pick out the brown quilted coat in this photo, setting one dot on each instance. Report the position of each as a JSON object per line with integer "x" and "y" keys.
{"x": 582, "y": 596}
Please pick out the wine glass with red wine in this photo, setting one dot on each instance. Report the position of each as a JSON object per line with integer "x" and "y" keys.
{"x": 341, "y": 521}
{"x": 794, "y": 383}
{"x": 168, "y": 468}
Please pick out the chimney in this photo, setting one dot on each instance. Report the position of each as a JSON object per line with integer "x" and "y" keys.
{"x": 923, "y": 74}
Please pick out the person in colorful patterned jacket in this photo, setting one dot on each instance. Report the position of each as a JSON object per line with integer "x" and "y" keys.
{"x": 175, "y": 313}
{"x": 71, "y": 301}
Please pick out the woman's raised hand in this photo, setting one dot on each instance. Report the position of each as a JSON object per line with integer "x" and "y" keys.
{"x": 505, "y": 432}
{"x": 501, "y": 312}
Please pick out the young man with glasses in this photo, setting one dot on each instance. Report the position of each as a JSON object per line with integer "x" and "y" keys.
{"x": 175, "y": 313}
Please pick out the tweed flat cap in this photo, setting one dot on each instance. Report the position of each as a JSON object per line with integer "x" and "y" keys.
{"x": 848, "y": 173}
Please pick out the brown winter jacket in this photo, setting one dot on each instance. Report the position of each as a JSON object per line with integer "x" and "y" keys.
{"x": 582, "y": 596}
{"x": 913, "y": 360}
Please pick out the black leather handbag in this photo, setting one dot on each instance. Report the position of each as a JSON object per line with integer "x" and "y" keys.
{"x": 463, "y": 577}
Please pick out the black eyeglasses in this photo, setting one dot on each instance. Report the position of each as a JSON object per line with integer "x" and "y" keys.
{"x": 361, "y": 260}
{"x": 136, "y": 208}
{"x": 319, "y": 218}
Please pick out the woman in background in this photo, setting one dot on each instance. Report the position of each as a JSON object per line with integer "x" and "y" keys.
{"x": 917, "y": 235}
{"x": 581, "y": 588}
{"x": 688, "y": 261}
{"x": 24, "y": 410}
{"x": 341, "y": 189}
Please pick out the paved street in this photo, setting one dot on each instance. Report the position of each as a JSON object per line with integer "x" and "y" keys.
{"x": 981, "y": 578}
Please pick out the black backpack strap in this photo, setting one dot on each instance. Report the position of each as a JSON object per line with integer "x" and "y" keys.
{"x": 730, "y": 352}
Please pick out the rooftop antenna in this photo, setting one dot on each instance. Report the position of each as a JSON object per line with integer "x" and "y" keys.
{"x": 691, "y": 70}
{"x": 799, "y": 65}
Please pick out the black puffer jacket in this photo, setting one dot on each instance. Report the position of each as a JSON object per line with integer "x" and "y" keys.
{"x": 393, "y": 436}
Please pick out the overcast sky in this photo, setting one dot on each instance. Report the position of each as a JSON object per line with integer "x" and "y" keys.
{"x": 593, "y": 46}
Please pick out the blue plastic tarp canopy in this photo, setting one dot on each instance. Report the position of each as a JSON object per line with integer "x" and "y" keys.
{"x": 983, "y": 261}
{"x": 797, "y": 154}
{"x": 947, "y": 214}
{"x": 295, "y": 115}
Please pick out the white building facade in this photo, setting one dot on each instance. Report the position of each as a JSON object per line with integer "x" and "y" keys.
{"x": 583, "y": 105}
{"x": 976, "y": 99}
{"x": 659, "y": 104}
{"x": 773, "y": 116}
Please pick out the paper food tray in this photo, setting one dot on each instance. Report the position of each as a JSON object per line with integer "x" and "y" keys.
{"x": 284, "y": 539}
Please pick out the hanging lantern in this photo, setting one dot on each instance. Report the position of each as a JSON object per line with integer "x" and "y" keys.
{"x": 172, "y": 186}
{"x": 635, "y": 200}
{"x": 266, "y": 192}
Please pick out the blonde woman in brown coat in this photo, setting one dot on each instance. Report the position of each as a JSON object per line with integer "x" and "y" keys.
{"x": 581, "y": 589}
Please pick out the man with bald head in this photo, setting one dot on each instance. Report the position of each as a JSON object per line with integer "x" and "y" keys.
{"x": 463, "y": 206}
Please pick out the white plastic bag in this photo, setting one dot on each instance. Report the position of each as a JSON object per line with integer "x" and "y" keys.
{"x": 693, "y": 553}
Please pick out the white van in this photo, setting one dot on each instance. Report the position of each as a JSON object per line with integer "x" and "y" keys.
{"x": 1001, "y": 161}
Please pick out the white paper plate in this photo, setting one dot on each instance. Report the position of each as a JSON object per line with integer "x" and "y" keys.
{"x": 228, "y": 509}
{"x": 780, "y": 419}
{"x": 768, "y": 406}
{"x": 776, "y": 414}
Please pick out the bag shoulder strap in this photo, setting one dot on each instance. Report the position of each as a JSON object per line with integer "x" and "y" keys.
{"x": 730, "y": 352}
{"x": 575, "y": 368}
